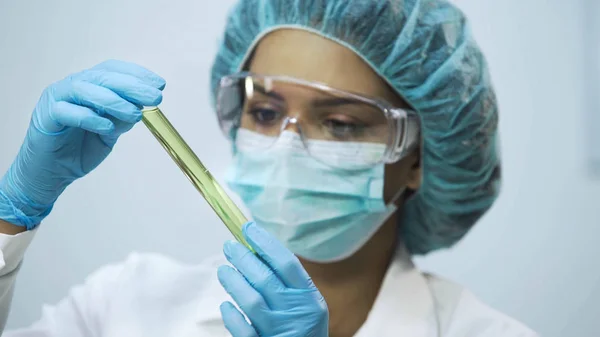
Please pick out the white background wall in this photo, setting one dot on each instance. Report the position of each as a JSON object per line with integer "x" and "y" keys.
{"x": 592, "y": 56}
{"x": 533, "y": 256}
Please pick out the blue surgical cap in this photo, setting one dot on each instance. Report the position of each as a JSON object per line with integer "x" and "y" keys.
{"x": 425, "y": 51}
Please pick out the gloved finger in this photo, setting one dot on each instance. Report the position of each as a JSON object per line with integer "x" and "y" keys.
{"x": 120, "y": 128}
{"x": 256, "y": 272}
{"x": 101, "y": 100}
{"x": 128, "y": 87}
{"x": 71, "y": 115}
{"x": 128, "y": 68}
{"x": 235, "y": 322}
{"x": 280, "y": 259}
{"x": 246, "y": 297}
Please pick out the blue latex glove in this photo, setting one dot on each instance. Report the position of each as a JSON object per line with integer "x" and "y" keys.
{"x": 74, "y": 126}
{"x": 275, "y": 292}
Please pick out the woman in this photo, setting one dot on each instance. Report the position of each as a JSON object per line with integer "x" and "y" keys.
{"x": 363, "y": 132}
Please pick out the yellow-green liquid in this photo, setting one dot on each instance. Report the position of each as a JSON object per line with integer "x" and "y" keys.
{"x": 193, "y": 168}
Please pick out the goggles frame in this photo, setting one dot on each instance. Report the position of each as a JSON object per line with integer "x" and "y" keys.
{"x": 404, "y": 125}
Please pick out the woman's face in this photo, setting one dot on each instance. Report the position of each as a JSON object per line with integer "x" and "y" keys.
{"x": 310, "y": 57}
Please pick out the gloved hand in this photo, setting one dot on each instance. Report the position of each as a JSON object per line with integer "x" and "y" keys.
{"x": 275, "y": 292}
{"x": 74, "y": 127}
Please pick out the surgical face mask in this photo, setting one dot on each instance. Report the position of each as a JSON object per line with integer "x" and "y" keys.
{"x": 321, "y": 213}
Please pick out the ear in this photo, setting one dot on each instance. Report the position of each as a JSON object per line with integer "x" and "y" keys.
{"x": 415, "y": 176}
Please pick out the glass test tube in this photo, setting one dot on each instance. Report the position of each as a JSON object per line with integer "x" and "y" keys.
{"x": 193, "y": 168}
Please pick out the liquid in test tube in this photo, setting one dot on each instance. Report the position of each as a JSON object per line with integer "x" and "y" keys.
{"x": 196, "y": 172}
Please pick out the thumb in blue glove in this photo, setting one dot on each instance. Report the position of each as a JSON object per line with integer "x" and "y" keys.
{"x": 274, "y": 291}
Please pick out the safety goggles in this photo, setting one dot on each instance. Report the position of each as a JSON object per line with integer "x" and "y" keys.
{"x": 255, "y": 110}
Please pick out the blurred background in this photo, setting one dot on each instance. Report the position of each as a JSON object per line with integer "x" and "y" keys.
{"x": 533, "y": 256}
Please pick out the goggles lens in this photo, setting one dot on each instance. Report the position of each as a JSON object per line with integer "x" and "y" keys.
{"x": 265, "y": 107}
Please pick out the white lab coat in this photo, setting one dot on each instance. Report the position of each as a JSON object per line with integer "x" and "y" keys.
{"x": 151, "y": 295}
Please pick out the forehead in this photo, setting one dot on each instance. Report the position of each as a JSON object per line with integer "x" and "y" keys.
{"x": 308, "y": 56}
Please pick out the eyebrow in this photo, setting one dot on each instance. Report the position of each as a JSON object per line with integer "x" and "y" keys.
{"x": 327, "y": 102}
{"x": 264, "y": 91}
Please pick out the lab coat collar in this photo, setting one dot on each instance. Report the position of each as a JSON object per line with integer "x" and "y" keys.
{"x": 404, "y": 305}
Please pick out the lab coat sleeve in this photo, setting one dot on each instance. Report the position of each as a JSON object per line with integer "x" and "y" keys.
{"x": 473, "y": 318}
{"x": 462, "y": 314}
{"x": 12, "y": 249}
{"x": 79, "y": 314}
{"x": 508, "y": 329}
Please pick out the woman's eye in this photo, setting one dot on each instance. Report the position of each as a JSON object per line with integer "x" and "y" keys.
{"x": 341, "y": 129}
{"x": 264, "y": 115}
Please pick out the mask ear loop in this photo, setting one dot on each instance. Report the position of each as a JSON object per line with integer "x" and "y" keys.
{"x": 397, "y": 196}
{"x": 392, "y": 203}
